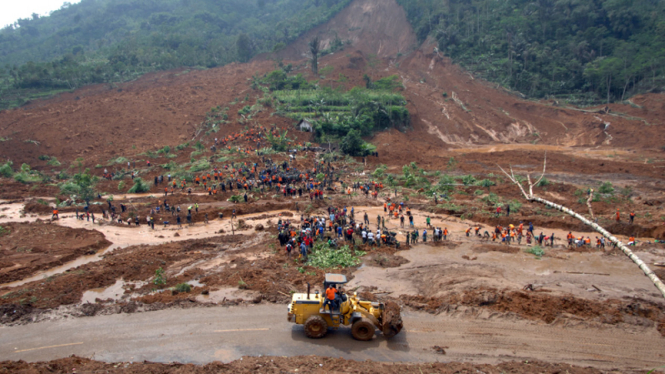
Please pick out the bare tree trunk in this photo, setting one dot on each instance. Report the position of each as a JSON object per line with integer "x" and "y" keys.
{"x": 531, "y": 197}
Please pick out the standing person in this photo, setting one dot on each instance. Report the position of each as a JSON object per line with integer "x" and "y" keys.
{"x": 531, "y": 228}
{"x": 632, "y": 217}
{"x": 206, "y": 218}
{"x": 618, "y": 216}
{"x": 303, "y": 250}
{"x": 366, "y": 219}
{"x": 552, "y": 240}
{"x": 93, "y": 217}
{"x": 445, "y": 234}
{"x": 425, "y": 236}
{"x": 498, "y": 211}
{"x": 507, "y": 210}
{"x": 429, "y": 222}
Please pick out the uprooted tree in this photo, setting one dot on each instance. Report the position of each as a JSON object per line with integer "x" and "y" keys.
{"x": 531, "y": 197}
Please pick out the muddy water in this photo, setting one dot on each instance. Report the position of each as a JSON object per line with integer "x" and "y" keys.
{"x": 229, "y": 293}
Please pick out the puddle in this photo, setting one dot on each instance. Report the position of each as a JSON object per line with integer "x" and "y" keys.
{"x": 228, "y": 294}
{"x": 114, "y": 292}
{"x": 195, "y": 283}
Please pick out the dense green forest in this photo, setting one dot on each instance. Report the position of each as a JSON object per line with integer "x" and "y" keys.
{"x": 99, "y": 41}
{"x": 586, "y": 51}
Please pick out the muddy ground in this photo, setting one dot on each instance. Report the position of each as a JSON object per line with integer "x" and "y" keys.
{"x": 304, "y": 364}
{"x": 28, "y": 248}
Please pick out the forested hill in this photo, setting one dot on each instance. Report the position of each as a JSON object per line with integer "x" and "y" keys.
{"x": 586, "y": 51}
{"x": 98, "y": 41}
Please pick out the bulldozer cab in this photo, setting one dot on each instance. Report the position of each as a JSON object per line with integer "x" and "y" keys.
{"x": 334, "y": 279}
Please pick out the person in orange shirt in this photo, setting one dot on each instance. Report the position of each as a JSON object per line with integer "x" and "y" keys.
{"x": 330, "y": 298}
{"x": 631, "y": 241}
{"x": 55, "y": 214}
{"x": 445, "y": 234}
{"x": 618, "y": 216}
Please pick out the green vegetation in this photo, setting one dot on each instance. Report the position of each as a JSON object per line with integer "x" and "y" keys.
{"x": 81, "y": 186}
{"x": 6, "y": 169}
{"x": 183, "y": 287}
{"x": 543, "y": 182}
{"x": 325, "y": 257}
{"x": 160, "y": 277}
{"x": 334, "y": 113}
{"x": 586, "y": 51}
{"x": 201, "y": 165}
{"x": 4, "y": 231}
{"x": 536, "y": 251}
{"x": 118, "y": 40}
{"x": 606, "y": 188}
{"x": 139, "y": 186}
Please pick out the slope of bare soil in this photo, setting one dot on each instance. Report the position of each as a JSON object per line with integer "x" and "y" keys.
{"x": 377, "y": 27}
{"x": 29, "y": 248}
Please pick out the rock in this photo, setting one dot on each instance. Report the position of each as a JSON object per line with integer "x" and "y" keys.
{"x": 176, "y": 234}
{"x": 259, "y": 227}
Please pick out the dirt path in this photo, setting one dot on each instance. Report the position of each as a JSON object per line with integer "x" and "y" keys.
{"x": 207, "y": 334}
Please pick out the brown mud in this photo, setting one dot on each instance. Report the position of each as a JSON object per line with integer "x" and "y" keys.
{"x": 275, "y": 365}
{"x": 539, "y": 305}
{"x": 32, "y": 247}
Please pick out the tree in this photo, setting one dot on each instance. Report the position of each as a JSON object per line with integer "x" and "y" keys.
{"x": 314, "y": 47}
{"x": 352, "y": 144}
{"x": 244, "y": 45}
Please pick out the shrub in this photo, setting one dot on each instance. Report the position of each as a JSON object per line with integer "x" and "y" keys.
{"x": 606, "y": 188}
{"x": 6, "y": 170}
{"x": 53, "y": 162}
{"x": 70, "y": 188}
{"x": 4, "y": 231}
{"x": 468, "y": 180}
{"x": 139, "y": 186}
{"x": 486, "y": 183}
{"x": 44, "y": 157}
{"x": 183, "y": 287}
{"x": 200, "y": 166}
{"x": 478, "y": 192}
{"x": 182, "y": 146}
{"x": 536, "y": 251}
{"x": 544, "y": 182}
{"x": 160, "y": 277}
{"x": 121, "y": 186}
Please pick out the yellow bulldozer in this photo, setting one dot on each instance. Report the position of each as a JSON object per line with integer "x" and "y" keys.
{"x": 364, "y": 317}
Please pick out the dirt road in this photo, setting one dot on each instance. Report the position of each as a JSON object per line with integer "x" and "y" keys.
{"x": 203, "y": 335}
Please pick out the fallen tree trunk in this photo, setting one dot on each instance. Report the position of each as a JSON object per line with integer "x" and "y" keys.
{"x": 647, "y": 271}
{"x": 531, "y": 197}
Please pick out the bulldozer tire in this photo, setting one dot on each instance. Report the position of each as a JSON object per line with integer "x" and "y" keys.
{"x": 316, "y": 327}
{"x": 363, "y": 329}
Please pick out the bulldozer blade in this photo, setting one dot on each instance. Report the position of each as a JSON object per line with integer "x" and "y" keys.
{"x": 391, "y": 319}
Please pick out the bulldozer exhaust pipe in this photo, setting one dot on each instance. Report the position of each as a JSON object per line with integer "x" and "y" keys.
{"x": 308, "y": 288}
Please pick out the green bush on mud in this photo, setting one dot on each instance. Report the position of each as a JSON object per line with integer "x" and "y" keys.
{"x": 6, "y": 170}
{"x": 160, "y": 277}
{"x": 536, "y": 251}
{"x": 4, "y": 231}
{"x": 139, "y": 186}
{"x": 325, "y": 257}
{"x": 183, "y": 287}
